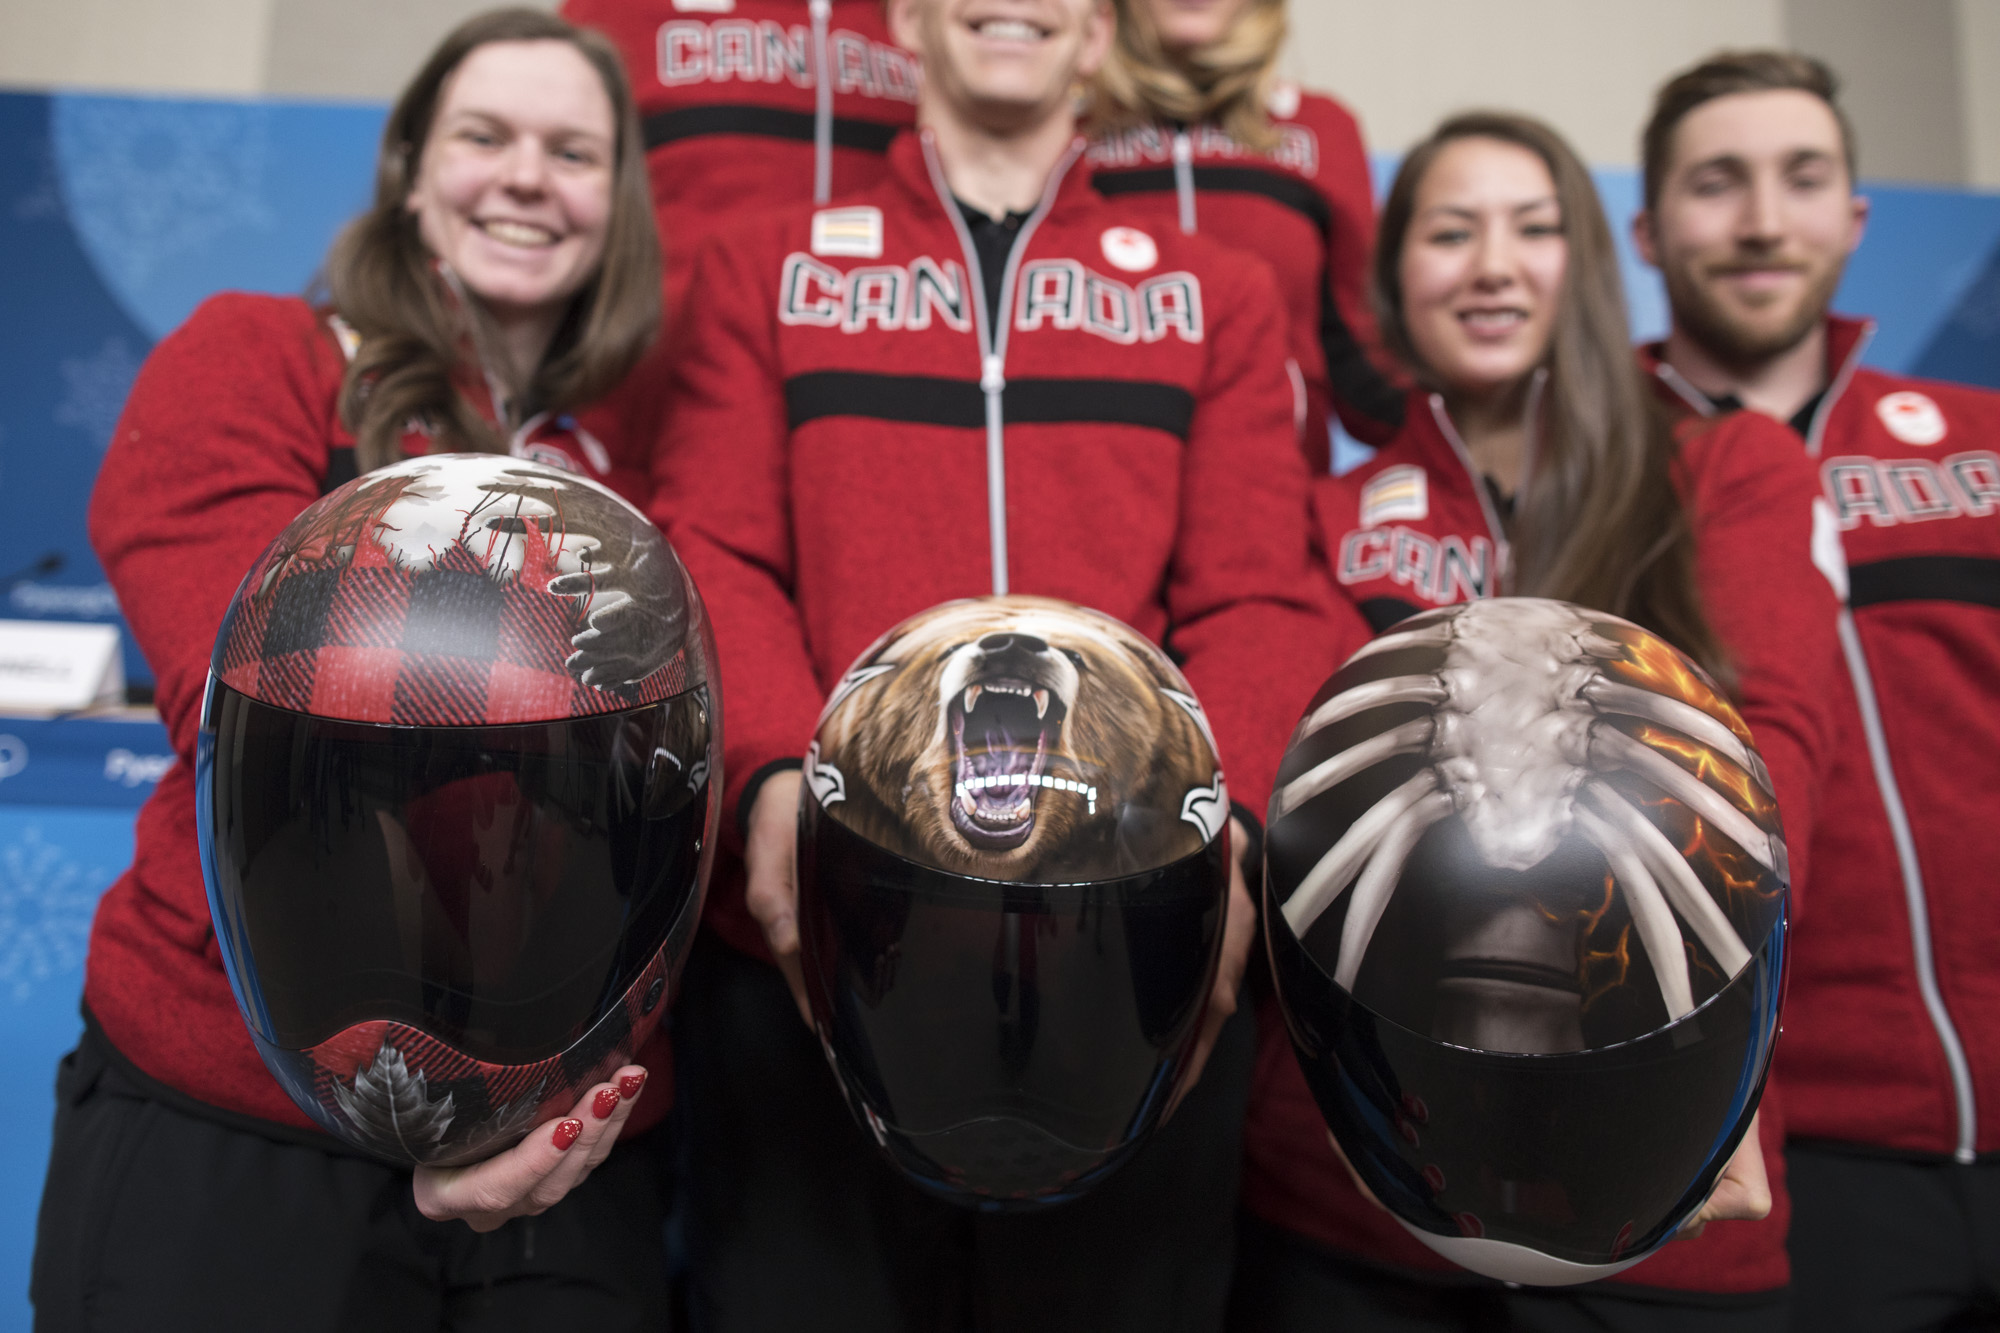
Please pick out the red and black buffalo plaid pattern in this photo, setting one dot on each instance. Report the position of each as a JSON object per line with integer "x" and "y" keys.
{"x": 492, "y": 1105}
{"x": 343, "y": 632}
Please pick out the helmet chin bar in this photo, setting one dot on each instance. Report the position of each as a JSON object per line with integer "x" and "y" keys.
{"x": 1516, "y": 1263}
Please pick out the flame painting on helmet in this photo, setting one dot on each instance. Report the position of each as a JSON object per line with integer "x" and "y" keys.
{"x": 1528, "y": 891}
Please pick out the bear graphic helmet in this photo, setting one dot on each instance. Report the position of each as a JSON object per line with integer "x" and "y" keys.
{"x": 1012, "y": 881}
{"x": 457, "y": 783}
{"x": 1525, "y": 903}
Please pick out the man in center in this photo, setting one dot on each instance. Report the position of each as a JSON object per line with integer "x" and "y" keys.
{"x": 973, "y": 378}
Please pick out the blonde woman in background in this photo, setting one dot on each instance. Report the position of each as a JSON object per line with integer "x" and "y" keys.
{"x": 1196, "y": 131}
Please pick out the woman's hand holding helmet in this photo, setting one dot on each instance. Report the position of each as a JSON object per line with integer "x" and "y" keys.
{"x": 1742, "y": 1194}
{"x": 535, "y": 1174}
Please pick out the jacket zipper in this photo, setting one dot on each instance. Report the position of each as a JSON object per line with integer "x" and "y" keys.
{"x": 1502, "y": 555}
{"x": 1916, "y": 900}
{"x": 822, "y": 13}
{"x": 1914, "y": 894}
{"x": 993, "y": 338}
{"x": 1184, "y": 179}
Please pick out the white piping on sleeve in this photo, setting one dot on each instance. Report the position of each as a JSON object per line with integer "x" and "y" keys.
{"x": 822, "y": 14}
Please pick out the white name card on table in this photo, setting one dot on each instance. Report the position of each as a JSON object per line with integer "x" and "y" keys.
{"x": 52, "y": 667}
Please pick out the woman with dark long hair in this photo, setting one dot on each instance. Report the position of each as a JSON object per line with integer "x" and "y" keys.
{"x": 1533, "y": 460}
{"x": 1195, "y": 131}
{"x": 505, "y": 277}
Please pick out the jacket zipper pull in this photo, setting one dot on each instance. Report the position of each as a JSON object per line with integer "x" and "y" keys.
{"x": 992, "y": 374}
{"x": 1184, "y": 179}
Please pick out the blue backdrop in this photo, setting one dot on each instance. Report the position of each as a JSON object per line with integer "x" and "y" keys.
{"x": 118, "y": 215}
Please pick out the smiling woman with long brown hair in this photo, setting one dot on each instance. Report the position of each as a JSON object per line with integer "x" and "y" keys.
{"x": 1534, "y": 461}
{"x": 506, "y": 276}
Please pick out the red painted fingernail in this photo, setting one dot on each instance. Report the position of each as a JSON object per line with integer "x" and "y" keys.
{"x": 604, "y": 1103}
{"x": 567, "y": 1132}
{"x": 628, "y": 1087}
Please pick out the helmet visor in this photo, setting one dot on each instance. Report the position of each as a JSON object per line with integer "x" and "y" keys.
{"x": 1592, "y": 1157}
{"x": 498, "y": 887}
{"x": 952, "y": 1000}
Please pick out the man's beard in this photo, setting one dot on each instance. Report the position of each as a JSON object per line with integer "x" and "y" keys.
{"x": 1727, "y": 336}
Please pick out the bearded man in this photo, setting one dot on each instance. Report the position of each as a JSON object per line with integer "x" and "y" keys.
{"x": 1890, "y": 1064}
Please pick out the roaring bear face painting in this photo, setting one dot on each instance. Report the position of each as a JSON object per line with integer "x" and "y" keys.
{"x": 1020, "y": 739}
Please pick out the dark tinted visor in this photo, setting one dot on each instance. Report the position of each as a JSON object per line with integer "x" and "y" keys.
{"x": 497, "y": 887}
{"x": 953, "y": 1000}
{"x": 1591, "y": 1156}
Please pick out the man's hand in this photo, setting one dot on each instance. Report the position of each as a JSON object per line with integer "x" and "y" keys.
{"x": 770, "y": 862}
{"x": 1239, "y": 933}
{"x": 534, "y": 1174}
{"x": 1742, "y": 1194}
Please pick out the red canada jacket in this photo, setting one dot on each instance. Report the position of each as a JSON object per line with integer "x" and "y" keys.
{"x": 747, "y": 104}
{"x": 850, "y": 444}
{"x": 230, "y": 430}
{"x": 1751, "y": 504}
{"x": 1307, "y": 209}
{"x": 1892, "y": 1028}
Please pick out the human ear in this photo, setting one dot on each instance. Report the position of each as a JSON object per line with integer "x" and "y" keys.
{"x": 1099, "y": 28}
{"x": 1644, "y": 238}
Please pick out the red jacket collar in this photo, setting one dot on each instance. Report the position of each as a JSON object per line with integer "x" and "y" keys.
{"x": 1847, "y": 337}
{"x": 911, "y": 157}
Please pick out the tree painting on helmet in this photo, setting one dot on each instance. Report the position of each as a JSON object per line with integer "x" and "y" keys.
{"x": 560, "y": 575}
{"x": 455, "y": 799}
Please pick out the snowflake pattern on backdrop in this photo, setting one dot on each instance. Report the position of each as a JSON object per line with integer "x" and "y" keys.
{"x": 94, "y": 390}
{"x": 46, "y": 902}
{"x": 41, "y": 201}
{"x": 150, "y": 181}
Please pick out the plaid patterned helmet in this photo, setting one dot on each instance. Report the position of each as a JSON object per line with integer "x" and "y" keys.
{"x": 458, "y": 772}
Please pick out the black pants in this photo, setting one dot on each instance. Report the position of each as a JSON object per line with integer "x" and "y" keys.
{"x": 1893, "y": 1246}
{"x": 1286, "y": 1284}
{"x": 794, "y": 1221}
{"x": 158, "y": 1219}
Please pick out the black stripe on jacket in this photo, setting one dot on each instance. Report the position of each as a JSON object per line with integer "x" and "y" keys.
{"x": 1920, "y": 578}
{"x": 936, "y": 400}
{"x": 1293, "y": 193}
{"x": 1354, "y": 379}
{"x": 689, "y": 122}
